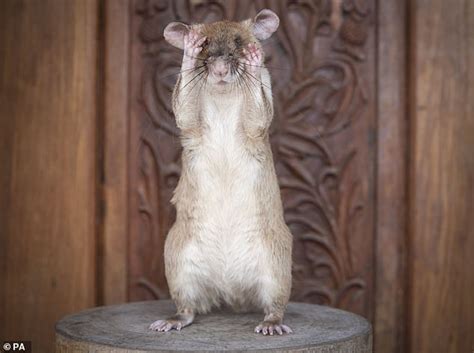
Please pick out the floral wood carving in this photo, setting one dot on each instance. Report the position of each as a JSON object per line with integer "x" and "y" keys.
{"x": 318, "y": 61}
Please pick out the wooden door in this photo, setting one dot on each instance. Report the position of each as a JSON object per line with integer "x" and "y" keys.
{"x": 372, "y": 138}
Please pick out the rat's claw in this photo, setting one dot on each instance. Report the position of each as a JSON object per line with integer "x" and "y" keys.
{"x": 272, "y": 328}
{"x": 200, "y": 41}
{"x": 155, "y": 326}
{"x": 195, "y": 38}
{"x": 166, "y": 325}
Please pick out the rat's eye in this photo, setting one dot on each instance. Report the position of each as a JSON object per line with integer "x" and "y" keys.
{"x": 238, "y": 41}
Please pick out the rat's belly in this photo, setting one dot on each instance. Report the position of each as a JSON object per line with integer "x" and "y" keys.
{"x": 216, "y": 271}
{"x": 227, "y": 245}
{"x": 226, "y": 265}
{"x": 226, "y": 176}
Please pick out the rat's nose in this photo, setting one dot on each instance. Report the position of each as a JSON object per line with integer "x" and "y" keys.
{"x": 220, "y": 68}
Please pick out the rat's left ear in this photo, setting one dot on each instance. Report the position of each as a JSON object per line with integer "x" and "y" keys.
{"x": 265, "y": 23}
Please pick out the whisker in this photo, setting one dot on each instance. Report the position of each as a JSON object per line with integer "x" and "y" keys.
{"x": 180, "y": 72}
{"x": 197, "y": 75}
{"x": 254, "y": 91}
{"x": 237, "y": 81}
{"x": 192, "y": 87}
{"x": 240, "y": 51}
{"x": 270, "y": 67}
{"x": 194, "y": 57}
{"x": 271, "y": 40}
{"x": 205, "y": 80}
{"x": 248, "y": 73}
{"x": 196, "y": 83}
{"x": 241, "y": 86}
{"x": 245, "y": 75}
{"x": 246, "y": 83}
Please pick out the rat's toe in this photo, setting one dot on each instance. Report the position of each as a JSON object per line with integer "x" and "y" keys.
{"x": 156, "y": 325}
{"x": 272, "y": 328}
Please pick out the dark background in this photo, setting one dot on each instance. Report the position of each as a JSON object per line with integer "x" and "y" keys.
{"x": 373, "y": 139}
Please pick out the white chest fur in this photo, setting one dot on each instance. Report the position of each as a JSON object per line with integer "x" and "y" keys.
{"x": 226, "y": 246}
{"x": 225, "y": 171}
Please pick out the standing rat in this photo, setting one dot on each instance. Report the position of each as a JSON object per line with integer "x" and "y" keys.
{"x": 230, "y": 244}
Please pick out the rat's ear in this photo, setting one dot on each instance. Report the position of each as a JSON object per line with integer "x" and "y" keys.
{"x": 265, "y": 23}
{"x": 174, "y": 34}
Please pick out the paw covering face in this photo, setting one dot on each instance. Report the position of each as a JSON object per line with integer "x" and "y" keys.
{"x": 223, "y": 51}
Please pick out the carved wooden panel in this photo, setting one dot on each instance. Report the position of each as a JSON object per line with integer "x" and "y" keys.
{"x": 322, "y": 65}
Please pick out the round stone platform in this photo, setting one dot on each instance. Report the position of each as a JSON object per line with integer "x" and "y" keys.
{"x": 124, "y": 328}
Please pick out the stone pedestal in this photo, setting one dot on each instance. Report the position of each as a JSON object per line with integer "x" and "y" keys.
{"x": 124, "y": 328}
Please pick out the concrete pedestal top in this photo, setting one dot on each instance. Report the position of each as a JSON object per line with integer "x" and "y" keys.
{"x": 124, "y": 328}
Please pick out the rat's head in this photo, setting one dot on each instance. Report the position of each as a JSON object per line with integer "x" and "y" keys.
{"x": 223, "y": 52}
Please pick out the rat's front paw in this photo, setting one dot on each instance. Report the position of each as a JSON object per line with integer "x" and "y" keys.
{"x": 167, "y": 325}
{"x": 192, "y": 47}
{"x": 252, "y": 59}
{"x": 271, "y": 328}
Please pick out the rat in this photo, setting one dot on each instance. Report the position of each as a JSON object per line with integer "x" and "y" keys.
{"x": 229, "y": 245}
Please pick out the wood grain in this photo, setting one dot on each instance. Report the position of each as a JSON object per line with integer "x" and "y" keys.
{"x": 392, "y": 156}
{"x": 47, "y": 154}
{"x": 442, "y": 176}
{"x": 113, "y": 266}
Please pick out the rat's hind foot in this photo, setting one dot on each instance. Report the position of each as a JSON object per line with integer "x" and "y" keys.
{"x": 273, "y": 324}
{"x": 271, "y": 328}
{"x": 176, "y": 322}
{"x": 166, "y": 325}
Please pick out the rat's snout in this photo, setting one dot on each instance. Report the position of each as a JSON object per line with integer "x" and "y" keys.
{"x": 220, "y": 68}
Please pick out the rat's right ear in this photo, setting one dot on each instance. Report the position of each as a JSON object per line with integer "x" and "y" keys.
{"x": 174, "y": 34}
